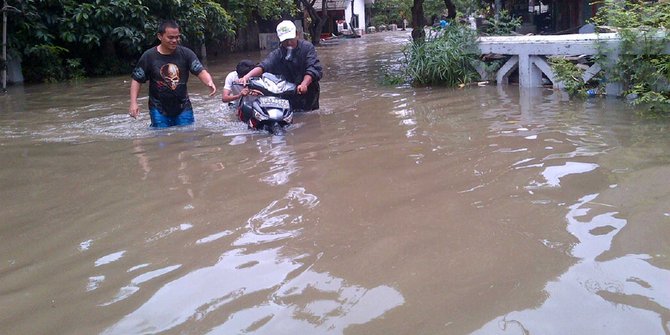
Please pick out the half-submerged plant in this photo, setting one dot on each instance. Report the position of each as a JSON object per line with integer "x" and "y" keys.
{"x": 447, "y": 57}
{"x": 641, "y": 66}
{"x": 569, "y": 74}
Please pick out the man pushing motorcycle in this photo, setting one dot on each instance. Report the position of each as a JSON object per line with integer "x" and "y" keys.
{"x": 295, "y": 60}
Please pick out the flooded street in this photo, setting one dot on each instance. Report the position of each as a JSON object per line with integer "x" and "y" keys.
{"x": 391, "y": 210}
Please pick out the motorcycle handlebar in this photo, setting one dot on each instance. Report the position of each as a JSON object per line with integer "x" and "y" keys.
{"x": 265, "y": 91}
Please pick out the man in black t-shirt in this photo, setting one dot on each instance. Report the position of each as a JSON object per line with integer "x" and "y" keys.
{"x": 167, "y": 67}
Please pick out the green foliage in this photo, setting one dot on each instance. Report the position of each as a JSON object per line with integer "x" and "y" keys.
{"x": 49, "y": 64}
{"x": 89, "y": 24}
{"x": 74, "y": 69}
{"x": 60, "y": 39}
{"x": 569, "y": 74}
{"x": 446, "y": 57}
{"x": 200, "y": 20}
{"x": 379, "y": 19}
{"x": 106, "y": 66}
{"x": 491, "y": 67}
{"x": 640, "y": 65}
{"x": 393, "y": 74}
{"x": 46, "y": 63}
{"x": 391, "y": 78}
{"x": 503, "y": 25}
{"x": 632, "y": 14}
{"x": 391, "y": 11}
{"x": 245, "y": 11}
{"x": 437, "y": 8}
{"x": 467, "y": 7}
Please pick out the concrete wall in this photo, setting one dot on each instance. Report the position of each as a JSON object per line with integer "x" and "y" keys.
{"x": 268, "y": 41}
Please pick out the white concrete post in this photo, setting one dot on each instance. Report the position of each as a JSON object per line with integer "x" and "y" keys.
{"x": 529, "y": 74}
{"x": 613, "y": 88}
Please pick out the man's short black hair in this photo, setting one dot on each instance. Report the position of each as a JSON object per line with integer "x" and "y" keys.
{"x": 244, "y": 66}
{"x": 167, "y": 24}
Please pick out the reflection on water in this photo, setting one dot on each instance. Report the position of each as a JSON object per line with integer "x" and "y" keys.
{"x": 553, "y": 174}
{"x": 391, "y": 210}
{"x": 621, "y": 295}
{"x": 273, "y": 150}
{"x": 624, "y": 295}
{"x": 298, "y": 298}
{"x": 271, "y": 224}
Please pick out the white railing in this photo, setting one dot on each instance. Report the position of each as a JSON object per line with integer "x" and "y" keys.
{"x": 529, "y": 55}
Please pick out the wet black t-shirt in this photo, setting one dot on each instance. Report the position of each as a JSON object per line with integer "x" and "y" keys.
{"x": 167, "y": 75}
{"x": 304, "y": 61}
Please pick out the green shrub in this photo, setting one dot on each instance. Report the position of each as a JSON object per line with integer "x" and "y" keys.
{"x": 645, "y": 72}
{"x": 379, "y": 19}
{"x": 504, "y": 24}
{"x": 569, "y": 74}
{"x": 75, "y": 71}
{"x": 445, "y": 57}
{"x": 46, "y": 63}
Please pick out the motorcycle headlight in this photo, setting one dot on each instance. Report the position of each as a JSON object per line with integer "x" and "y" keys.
{"x": 275, "y": 114}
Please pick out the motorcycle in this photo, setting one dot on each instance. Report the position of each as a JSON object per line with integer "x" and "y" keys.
{"x": 268, "y": 108}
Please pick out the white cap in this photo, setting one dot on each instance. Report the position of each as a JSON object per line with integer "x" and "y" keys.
{"x": 285, "y": 30}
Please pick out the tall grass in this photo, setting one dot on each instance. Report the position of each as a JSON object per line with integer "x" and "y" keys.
{"x": 445, "y": 57}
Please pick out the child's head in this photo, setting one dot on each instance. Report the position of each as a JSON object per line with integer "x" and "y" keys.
{"x": 244, "y": 67}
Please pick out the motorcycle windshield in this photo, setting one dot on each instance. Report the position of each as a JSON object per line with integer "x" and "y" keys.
{"x": 273, "y": 84}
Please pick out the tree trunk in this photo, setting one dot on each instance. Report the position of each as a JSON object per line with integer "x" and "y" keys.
{"x": 451, "y": 9}
{"x": 418, "y": 21}
{"x": 316, "y": 21}
{"x": 322, "y": 21}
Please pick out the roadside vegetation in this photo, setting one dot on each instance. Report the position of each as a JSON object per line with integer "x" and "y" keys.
{"x": 68, "y": 39}
{"x": 640, "y": 66}
{"x": 448, "y": 56}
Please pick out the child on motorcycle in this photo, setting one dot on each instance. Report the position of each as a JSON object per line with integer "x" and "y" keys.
{"x": 232, "y": 92}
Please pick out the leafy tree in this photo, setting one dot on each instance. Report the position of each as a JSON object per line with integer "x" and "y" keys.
{"x": 103, "y": 36}
{"x": 449, "y": 8}
{"x": 392, "y": 11}
{"x": 503, "y": 24}
{"x": 379, "y": 19}
{"x": 200, "y": 20}
{"x": 244, "y": 11}
{"x": 249, "y": 13}
{"x": 91, "y": 24}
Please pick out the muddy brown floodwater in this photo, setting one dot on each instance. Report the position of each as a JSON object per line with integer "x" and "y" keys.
{"x": 392, "y": 210}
